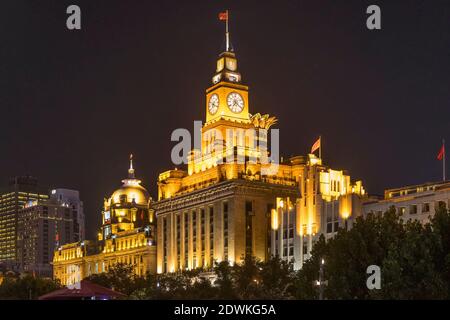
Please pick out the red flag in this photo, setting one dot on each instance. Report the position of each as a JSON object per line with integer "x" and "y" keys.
{"x": 315, "y": 146}
{"x": 223, "y": 16}
{"x": 441, "y": 153}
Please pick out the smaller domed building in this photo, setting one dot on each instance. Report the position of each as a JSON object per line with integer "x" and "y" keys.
{"x": 127, "y": 208}
{"x": 126, "y": 236}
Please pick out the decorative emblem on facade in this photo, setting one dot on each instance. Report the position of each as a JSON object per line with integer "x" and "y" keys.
{"x": 263, "y": 121}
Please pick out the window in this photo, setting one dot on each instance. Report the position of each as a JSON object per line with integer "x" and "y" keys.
{"x": 413, "y": 209}
{"x": 186, "y": 239}
{"x": 426, "y": 207}
{"x": 194, "y": 231}
{"x": 249, "y": 227}
{"x": 178, "y": 227}
{"x": 329, "y": 227}
{"x": 165, "y": 244}
{"x": 442, "y": 204}
{"x": 329, "y": 216}
{"x": 269, "y": 230}
{"x": 202, "y": 229}
{"x": 401, "y": 210}
{"x": 211, "y": 233}
{"x": 225, "y": 229}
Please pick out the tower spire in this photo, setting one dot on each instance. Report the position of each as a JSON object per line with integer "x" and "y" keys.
{"x": 225, "y": 16}
{"x": 131, "y": 170}
{"x": 226, "y": 63}
{"x": 227, "y": 33}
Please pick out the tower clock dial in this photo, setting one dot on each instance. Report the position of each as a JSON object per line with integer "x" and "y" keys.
{"x": 213, "y": 104}
{"x": 235, "y": 102}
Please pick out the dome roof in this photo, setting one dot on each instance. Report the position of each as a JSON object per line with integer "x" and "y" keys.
{"x": 131, "y": 190}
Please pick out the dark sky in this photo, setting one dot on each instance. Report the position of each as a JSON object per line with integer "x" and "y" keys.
{"x": 76, "y": 103}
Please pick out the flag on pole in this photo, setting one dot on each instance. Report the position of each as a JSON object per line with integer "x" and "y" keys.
{"x": 441, "y": 157}
{"x": 315, "y": 146}
{"x": 223, "y": 16}
{"x": 441, "y": 153}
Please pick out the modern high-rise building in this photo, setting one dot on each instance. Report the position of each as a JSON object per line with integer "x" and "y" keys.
{"x": 42, "y": 227}
{"x": 126, "y": 236}
{"x": 22, "y": 190}
{"x": 417, "y": 202}
{"x": 236, "y": 199}
{"x": 71, "y": 198}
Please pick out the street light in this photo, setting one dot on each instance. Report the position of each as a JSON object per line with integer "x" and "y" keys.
{"x": 321, "y": 283}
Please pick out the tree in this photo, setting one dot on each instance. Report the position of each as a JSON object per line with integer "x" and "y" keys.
{"x": 224, "y": 281}
{"x": 119, "y": 277}
{"x": 409, "y": 270}
{"x": 26, "y": 287}
{"x": 276, "y": 279}
{"x": 246, "y": 278}
{"x": 201, "y": 289}
{"x": 440, "y": 228}
{"x": 413, "y": 259}
{"x": 307, "y": 276}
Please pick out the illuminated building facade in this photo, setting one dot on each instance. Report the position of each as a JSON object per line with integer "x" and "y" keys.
{"x": 235, "y": 199}
{"x": 21, "y": 191}
{"x": 42, "y": 227}
{"x": 126, "y": 236}
{"x": 328, "y": 201}
{"x": 418, "y": 202}
{"x": 219, "y": 209}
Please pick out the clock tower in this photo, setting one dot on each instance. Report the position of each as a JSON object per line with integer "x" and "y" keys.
{"x": 227, "y": 98}
{"x": 230, "y": 133}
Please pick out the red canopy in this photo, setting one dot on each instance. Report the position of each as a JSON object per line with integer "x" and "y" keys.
{"x": 85, "y": 290}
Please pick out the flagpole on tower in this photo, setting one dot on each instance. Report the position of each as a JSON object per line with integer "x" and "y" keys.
{"x": 443, "y": 160}
{"x": 320, "y": 147}
{"x": 227, "y": 34}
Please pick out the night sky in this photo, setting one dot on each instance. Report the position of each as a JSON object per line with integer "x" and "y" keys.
{"x": 75, "y": 104}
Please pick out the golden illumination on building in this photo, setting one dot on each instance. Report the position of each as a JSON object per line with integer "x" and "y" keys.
{"x": 275, "y": 218}
{"x": 126, "y": 236}
{"x": 328, "y": 201}
{"x": 203, "y": 212}
{"x": 227, "y": 204}
{"x": 220, "y": 208}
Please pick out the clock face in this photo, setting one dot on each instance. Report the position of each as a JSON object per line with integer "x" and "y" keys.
{"x": 235, "y": 102}
{"x": 213, "y": 103}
